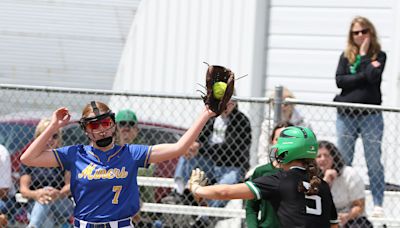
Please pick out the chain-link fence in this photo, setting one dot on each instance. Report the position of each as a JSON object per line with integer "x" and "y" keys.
{"x": 226, "y": 157}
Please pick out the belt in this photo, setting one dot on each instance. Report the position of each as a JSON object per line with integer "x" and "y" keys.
{"x": 123, "y": 223}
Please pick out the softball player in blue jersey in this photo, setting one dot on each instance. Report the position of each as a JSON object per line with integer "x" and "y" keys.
{"x": 103, "y": 174}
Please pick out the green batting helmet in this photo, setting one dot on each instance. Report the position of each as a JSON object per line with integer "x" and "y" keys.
{"x": 295, "y": 143}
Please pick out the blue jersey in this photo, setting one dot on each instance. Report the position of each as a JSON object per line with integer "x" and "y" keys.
{"x": 104, "y": 184}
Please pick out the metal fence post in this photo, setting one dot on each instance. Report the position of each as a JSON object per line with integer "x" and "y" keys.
{"x": 278, "y": 104}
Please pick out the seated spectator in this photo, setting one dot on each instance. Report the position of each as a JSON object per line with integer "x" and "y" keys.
{"x": 260, "y": 213}
{"x": 48, "y": 187}
{"x": 222, "y": 151}
{"x": 346, "y": 185}
{"x": 128, "y": 129}
{"x": 127, "y": 133}
{"x": 289, "y": 114}
{"x": 5, "y": 183}
{"x": 185, "y": 164}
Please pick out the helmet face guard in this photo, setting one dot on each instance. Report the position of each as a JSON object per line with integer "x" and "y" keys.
{"x": 273, "y": 155}
{"x": 96, "y": 120}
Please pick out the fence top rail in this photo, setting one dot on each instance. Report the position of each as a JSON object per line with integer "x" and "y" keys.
{"x": 88, "y": 91}
{"x": 117, "y": 93}
{"x": 340, "y": 104}
{"x": 191, "y": 97}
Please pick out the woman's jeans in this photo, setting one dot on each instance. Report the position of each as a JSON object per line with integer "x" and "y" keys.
{"x": 370, "y": 128}
{"x": 185, "y": 166}
{"x": 225, "y": 175}
{"x": 48, "y": 215}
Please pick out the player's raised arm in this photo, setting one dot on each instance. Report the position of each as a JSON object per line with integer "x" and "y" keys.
{"x": 38, "y": 153}
{"x": 162, "y": 152}
{"x": 220, "y": 87}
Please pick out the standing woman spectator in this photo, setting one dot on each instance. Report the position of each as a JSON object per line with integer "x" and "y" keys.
{"x": 347, "y": 186}
{"x": 103, "y": 174}
{"x": 359, "y": 76}
{"x": 48, "y": 187}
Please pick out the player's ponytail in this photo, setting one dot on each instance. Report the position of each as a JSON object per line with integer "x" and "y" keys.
{"x": 314, "y": 180}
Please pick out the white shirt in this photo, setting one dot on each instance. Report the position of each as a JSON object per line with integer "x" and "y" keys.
{"x": 219, "y": 129}
{"x": 347, "y": 188}
{"x": 5, "y": 168}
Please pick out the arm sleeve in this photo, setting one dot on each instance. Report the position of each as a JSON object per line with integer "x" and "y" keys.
{"x": 345, "y": 80}
{"x": 333, "y": 216}
{"x": 65, "y": 156}
{"x": 373, "y": 74}
{"x": 140, "y": 154}
{"x": 265, "y": 187}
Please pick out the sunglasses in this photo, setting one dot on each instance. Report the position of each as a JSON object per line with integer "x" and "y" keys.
{"x": 363, "y": 32}
{"x": 94, "y": 125}
{"x": 126, "y": 124}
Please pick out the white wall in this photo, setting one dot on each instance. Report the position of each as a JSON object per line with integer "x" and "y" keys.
{"x": 170, "y": 39}
{"x": 68, "y": 43}
{"x": 302, "y": 43}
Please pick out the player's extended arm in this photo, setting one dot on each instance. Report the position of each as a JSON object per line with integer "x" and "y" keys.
{"x": 162, "y": 152}
{"x": 37, "y": 153}
{"x": 223, "y": 192}
{"x": 198, "y": 182}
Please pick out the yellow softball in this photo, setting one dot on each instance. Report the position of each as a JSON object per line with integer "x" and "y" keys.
{"x": 219, "y": 90}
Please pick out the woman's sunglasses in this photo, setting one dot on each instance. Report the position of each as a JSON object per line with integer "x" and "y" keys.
{"x": 126, "y": 124}
{"x": 94, "y": 125}
{"x": 363, "y": 32}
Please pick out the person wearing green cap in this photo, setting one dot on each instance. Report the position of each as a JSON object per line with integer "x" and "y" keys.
{"x": 128, "y": 132}
{"x": 299, "y": 197}
{"x": 128, "y": 129}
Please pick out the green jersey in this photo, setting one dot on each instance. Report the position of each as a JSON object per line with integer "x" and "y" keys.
{"x": 268, "y": 218}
